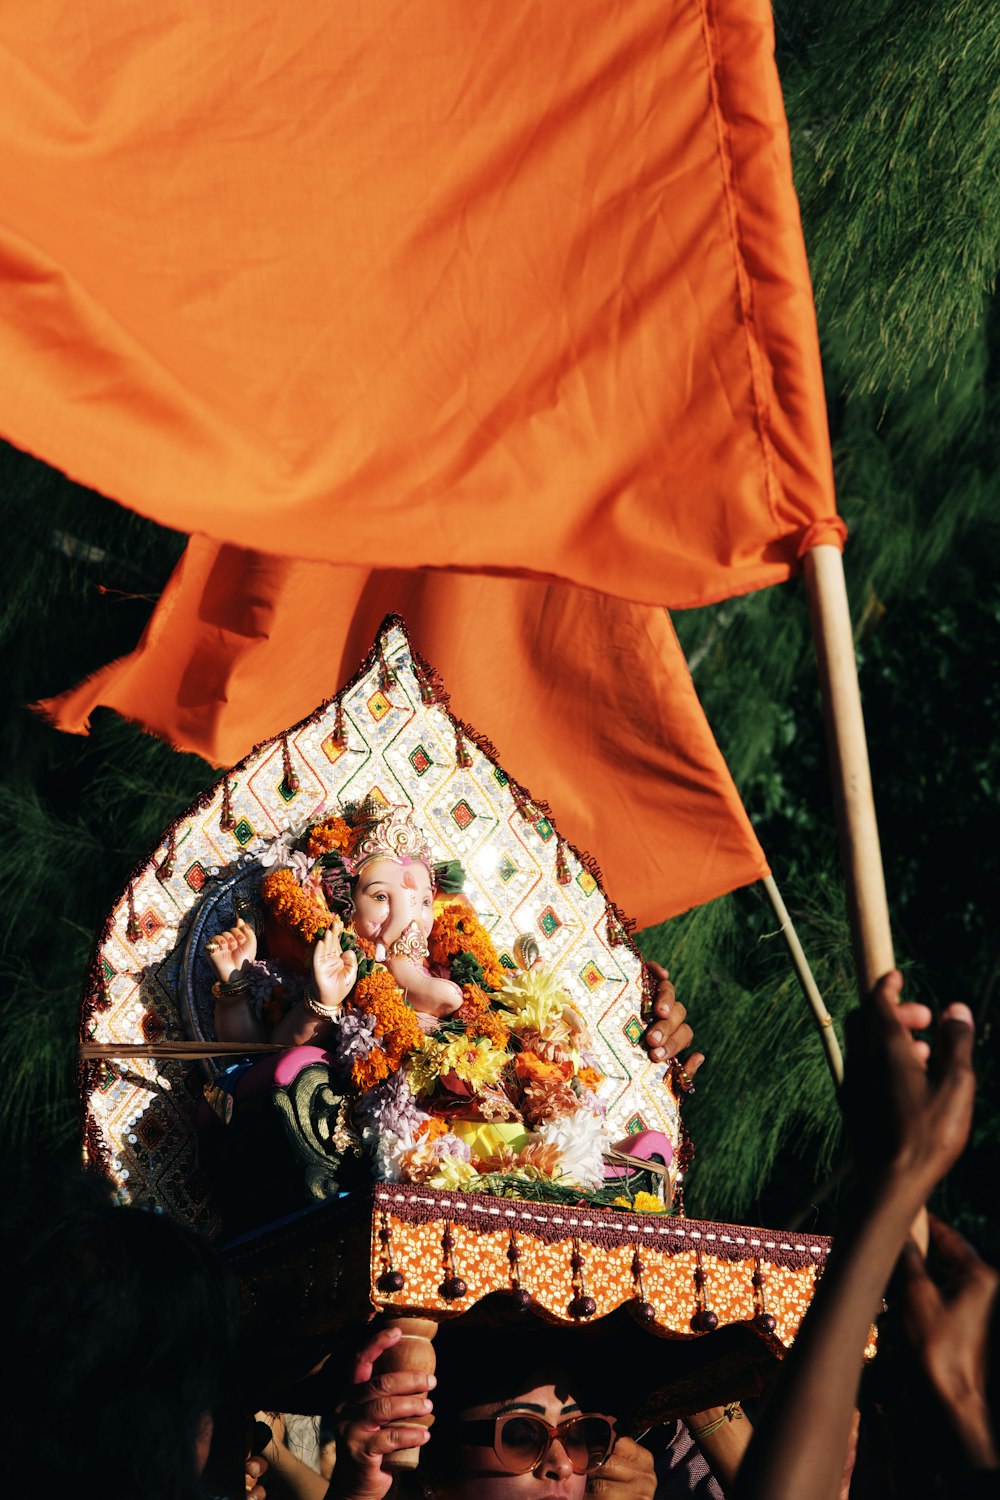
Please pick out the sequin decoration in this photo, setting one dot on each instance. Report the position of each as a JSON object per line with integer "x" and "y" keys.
{"x": 470, "y": 808}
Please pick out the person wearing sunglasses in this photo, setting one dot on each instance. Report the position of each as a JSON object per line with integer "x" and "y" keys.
{"x": 510, "y": 1423}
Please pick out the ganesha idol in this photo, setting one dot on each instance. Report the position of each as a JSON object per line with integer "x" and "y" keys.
{"x": 413, "y": 1053}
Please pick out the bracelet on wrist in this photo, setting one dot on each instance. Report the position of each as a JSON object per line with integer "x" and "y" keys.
{"x": 731, "y": 1413}
{"x": 224, "y": 989}
{"x": 314, "y": 1005}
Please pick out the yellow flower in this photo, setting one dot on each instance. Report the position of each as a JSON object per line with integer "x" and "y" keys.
{"x": 475, "y": 1063}
{"x": 453, "y": 1174}
{"x": 422, "y": 1067}
{"x": 642, "y": 1203}
{"x": 537, "y": 1003}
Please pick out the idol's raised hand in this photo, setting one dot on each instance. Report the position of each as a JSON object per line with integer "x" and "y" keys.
{"x": 334, "y": 971}
{"x": 230, "y": 952}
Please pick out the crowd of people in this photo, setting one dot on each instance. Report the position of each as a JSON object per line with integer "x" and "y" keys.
{"x": 121, "y": 1338}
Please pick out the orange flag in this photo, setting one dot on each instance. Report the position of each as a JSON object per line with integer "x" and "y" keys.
{"x": 519, "y": 288}
{"x": 586, "y": 698}
{"x": 518, "y": 292}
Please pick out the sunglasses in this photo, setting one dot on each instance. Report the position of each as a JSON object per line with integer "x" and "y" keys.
{"x": 521, "y": 1441}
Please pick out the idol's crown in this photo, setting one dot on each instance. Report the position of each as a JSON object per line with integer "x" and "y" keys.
{"x": 386, "y": 831}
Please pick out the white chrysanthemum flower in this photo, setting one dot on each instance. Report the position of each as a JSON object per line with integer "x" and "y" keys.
{"x": 387, "y": 1151}
{"x": 276, "y": 852}
{"x": 580, "y": 1139}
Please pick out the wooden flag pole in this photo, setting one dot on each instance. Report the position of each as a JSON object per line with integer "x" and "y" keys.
{"x": 860, "y": 853}
{"x": 803, "y": 973}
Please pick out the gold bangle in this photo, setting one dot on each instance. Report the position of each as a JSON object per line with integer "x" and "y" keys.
{"x": 223, "y": 990}
{"x": 314, "y": 1005}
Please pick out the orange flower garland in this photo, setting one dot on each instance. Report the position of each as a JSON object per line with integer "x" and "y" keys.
{"x": 396, "y": 1027}
{"x": 479, "y": 1019}
{"x": 302, "y": 911}
{"x": 332, "y": 833}
{"x": 457, "y": 929}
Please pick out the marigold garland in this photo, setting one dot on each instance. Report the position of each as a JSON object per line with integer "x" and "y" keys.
{"x": 301, "y": 911}
{"x": 396, "y": 1024}
{"x": 457, "y": 929}
{"x": 333, "y": 833}
{"x": 366, "y": 1072}
{"x": 479, "y": 1019}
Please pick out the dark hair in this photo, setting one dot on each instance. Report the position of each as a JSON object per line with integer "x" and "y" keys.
{"x": 477, "y": 1366}
{"x": 120, "y": 1326}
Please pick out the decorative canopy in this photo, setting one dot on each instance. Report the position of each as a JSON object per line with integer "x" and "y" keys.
{"x": 389, "y": 730}
{"x": 728, "y": 1298}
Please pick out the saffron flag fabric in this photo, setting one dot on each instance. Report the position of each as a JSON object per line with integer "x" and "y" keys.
{"x": 495, "y": 316}
{"x": 512, "y": 287}
{"x": 586, "y": 698}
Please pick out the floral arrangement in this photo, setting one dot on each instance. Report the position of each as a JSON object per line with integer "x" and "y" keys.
{"x": 501, "y": 1097}
{"x": 506, "y": 1088}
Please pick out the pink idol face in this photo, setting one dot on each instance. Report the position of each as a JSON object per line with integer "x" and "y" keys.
{"x": 390, "y": 895}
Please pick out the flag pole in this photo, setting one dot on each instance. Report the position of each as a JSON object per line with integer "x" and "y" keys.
{"x": 860, "y": 852}
{"x": 806, "y": 978}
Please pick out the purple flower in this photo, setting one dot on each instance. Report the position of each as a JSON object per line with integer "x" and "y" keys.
{"x": 355, "y": 1037}
{"x": 263, "y": 980}
{"x": 449, "y": 1146}
{"x": 391, "y": 1108}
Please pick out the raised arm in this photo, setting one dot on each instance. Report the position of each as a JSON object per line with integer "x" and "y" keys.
{"x": 907, "y": 1128}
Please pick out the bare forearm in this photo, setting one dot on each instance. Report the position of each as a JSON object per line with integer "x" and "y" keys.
{"x": 301, "y": 1028}
{"x": 289, "y": 1478}
{"x": 722, "y": 1439}
{"x": 801, "y": 1439}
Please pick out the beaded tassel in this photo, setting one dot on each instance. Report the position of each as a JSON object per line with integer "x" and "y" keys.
{"x": 582, "y": 1305}
{"x": 644, "y": 1311}
{"x": 289, "y": 779}
{"x": 165, "y": 868}
{"x": 704, "y": 1320}
{"x": 764, "y": 1320}
{"x": 390, "y": 1279}
{"x": 226, "y": 820}
{"x": 339, "y": 727}
{"x": 462, "y": 756}
{"x": 132, "y": 929}
{"x": 386, "y": 676}
{"x": 522, "y": 1299}
{"x": 452, "y": 1287}
{"x": 562, "y": 868}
